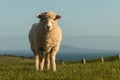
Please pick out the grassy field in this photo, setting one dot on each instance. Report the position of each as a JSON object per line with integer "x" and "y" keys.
{"x": 13, "y": 68}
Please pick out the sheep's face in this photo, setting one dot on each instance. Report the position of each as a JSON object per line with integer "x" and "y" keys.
{"x": 48, "y": 24}
{"x": 48, "y": 19}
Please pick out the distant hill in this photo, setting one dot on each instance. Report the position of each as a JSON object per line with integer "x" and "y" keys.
{"x": 90, "y": 42}
{"x": 70, "y": 49}
{"x": 66, "y": 53}
{"x": 93, "y": 42}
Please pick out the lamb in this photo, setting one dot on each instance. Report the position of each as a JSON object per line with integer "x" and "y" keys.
{"x": 45, "y": 38}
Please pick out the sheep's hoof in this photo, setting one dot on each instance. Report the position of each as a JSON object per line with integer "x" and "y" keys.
{"x": 54, "y": 70}
{"x": 37, "y": 69}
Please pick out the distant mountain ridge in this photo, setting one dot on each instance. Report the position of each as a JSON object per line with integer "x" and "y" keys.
{"x": 93, "y": 42}
{"x": 64, "y": 51}
{"x": 89, "y": 42}
{"x": 70, "y": 49}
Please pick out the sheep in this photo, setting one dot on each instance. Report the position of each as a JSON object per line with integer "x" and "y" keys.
{"x": 45, "y": 37}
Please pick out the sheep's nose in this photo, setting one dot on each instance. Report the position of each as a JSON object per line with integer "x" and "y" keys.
{"x": 48, "y": 27}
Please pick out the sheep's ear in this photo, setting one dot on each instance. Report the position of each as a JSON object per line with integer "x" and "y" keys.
{"x": 38, "y": 15}
{"x": 57, "y": 17}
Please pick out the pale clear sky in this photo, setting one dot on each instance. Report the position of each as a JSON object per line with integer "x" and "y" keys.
{"x": 79, "y": 17}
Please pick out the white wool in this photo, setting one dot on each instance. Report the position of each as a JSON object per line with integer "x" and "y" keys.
{"x": 45, "y": 44}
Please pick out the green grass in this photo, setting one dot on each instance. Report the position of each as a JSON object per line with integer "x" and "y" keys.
{"x": 12, "y": 68}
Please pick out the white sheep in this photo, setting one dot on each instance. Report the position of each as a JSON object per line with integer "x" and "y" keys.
{"x": 45, "y": 38}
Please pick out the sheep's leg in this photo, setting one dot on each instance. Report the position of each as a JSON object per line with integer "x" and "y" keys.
{"x": 47, "y": 61}
{"x": 53, "y": 63}
{"x": 42, "y": 60}
{"x": 37, "y": 61}
{"x": 53, "y": 58}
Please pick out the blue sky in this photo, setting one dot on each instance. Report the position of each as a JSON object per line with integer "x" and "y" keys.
{"x": 79, "y": 17}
